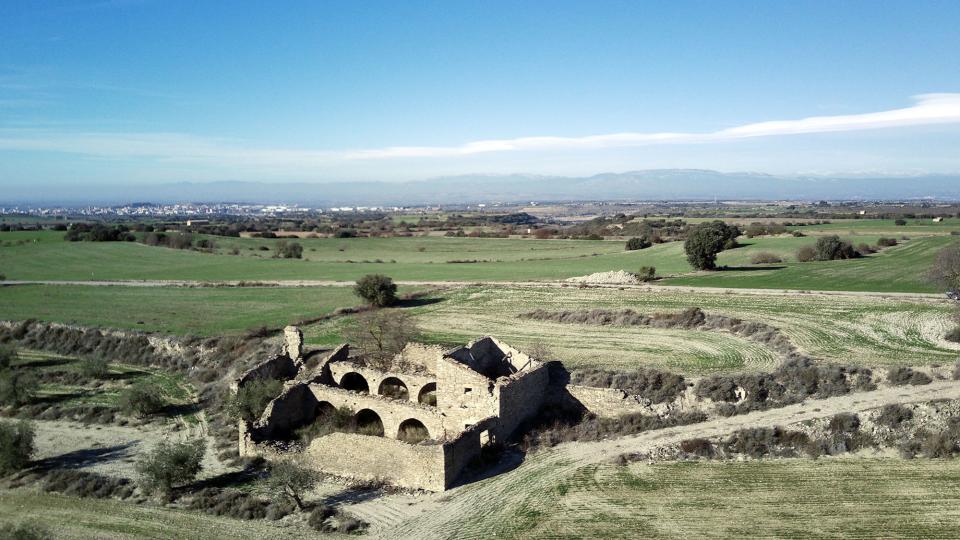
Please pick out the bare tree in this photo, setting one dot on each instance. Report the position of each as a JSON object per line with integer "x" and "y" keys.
{"x": 381, "y": 334}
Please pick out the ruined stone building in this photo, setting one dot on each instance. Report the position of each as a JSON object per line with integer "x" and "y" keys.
{"x": 417, "y": 421}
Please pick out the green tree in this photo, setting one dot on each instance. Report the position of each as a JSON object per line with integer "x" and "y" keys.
{"x": 143, "y": 398}
{"x": 290, "y": 481}
{"x": 170, "y": 464}
{"x": 16, "y": 387}
{"x": 377, "y": 290}
{"x": 8, "y": 355}
{"x": 706, "y": 240}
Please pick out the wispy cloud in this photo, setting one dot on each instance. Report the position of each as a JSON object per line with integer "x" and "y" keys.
{"x": 928, "y": 109}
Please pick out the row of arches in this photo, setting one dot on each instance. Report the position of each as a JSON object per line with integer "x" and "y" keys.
{"x": 390, "y": 387}
{"x": 368, "y": 422}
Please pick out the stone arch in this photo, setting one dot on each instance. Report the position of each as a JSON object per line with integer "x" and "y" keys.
{"x": 325, "y": 409}
{"x": 428, "y": 394}
{"x": 355, "y": 382}
{"x": 395, "y": 388}
{"x": 412, "y": 431}
{"x": 369, "y": 423}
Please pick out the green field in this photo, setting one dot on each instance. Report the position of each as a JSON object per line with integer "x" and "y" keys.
{"x": 203, "y": 311}
{"x": 848, "y": 329}
{"x": 75, "y": 518}
{"x": 45, "y": 256}
{"x": 827, "y": 498}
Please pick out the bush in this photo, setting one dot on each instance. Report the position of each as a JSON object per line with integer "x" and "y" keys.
{"x": 94, "y": 367}
{"x": 377, "y": 290}
{"x": 252, "y": 398}
{"x": 142, "y": 398}
{"x": 697, "y": 447}
{"x": 319, "y": 516}
{"x": 289, "y": 250}
{"x": 953, "y": 335}
{"x": 170, "y": 464}
{"x": 657, "y": 386}
{"x": 900, "y": 222}
{"x": 765, "y": 257}
{"x": 886, "y": 242}
{"x": 806, "y": 254}
{"x": 893, "y": 415}
{"x": 16, "y": 446}
{"x": 8, "y": 355}
{"x": 706, "y": 240}
{"x": 845, "y": 423}
{"x": 638, "y": 242}
{"x": 904, "y": 375}
{"x": 24, "y": 531}
{"x": 17, "y": 388}
{"x": 646, "y": 273}
{"x": 831, "y": 248}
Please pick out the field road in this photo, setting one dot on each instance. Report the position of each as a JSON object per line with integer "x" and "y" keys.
{"x": 558, "y": 284}
{"x": 445, "y": 515}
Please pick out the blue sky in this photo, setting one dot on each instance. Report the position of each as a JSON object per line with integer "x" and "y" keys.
{"x": 164, "y": 91}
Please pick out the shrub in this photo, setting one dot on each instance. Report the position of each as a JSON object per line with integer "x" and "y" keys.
{"x": 806, "y": 254}
{"x": 16, "y": 446}
{"x": 8, "y": 355}
{"x": 900, "y": 222}
{"x": 94, "y": 367}
{"x": 953, "y": 335}
{"x": 845, "y": 423}
{"x": 289, "y": 250}
{"x": 290, "y": 481}
{"x": 893, "y": 415}
{"x": 646, "y": 273}
{"x": 864, "y": 249}
{"x": 638, "y": 242}
{"x": 831, "y": 248}
{"x": 16, "y": 387}
{"x": 169, "y": 464}
{"x": 377, "y": 290}
{"x": 904, "y": 375}
{"x": 886, "y": 242}
{"x": 765, "y": 257}
{"x": 706, "y": 240}
{"x": 142, "y": 398}
{"x": 24, "y": 531}
{"x": 319, "y": 516}
{"x": 657, "y": 386}
{"x": 252, "y": 398}
{"x": 697, "y": 447}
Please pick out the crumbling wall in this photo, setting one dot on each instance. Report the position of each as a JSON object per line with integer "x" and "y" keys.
{"x": 519, "y": 398}
{"x": 374, "y": 377}
{"x": 315, "y": 366}
{"x": 422, "y": 356}
{"x": 416, "y": 466}
{"x": 295, "y": 407}
{"x": 280, "y": 367}
{"x": 463, "y": 395}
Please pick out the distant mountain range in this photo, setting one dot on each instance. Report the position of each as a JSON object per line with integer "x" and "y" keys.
{"x": 648, "y": 185}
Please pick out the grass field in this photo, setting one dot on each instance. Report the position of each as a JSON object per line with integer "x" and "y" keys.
{"x": 848, "y": 498}
{"x": 176, "y": 310}
{"x": 45, "y": 256}
{"x": 849, "y": 329}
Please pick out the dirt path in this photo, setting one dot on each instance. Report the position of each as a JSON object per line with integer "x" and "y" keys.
{"x": 443, "y": 515}
{"x": 331, "y": 283}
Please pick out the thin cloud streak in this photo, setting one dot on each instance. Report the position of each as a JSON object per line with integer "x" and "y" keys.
{"x": 928, "y": 109}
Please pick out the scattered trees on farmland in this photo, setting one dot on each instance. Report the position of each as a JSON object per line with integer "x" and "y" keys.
{"x": 706, "y": 240}
{"x": 377, "y": 289}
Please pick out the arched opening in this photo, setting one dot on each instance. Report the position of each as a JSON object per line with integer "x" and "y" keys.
{"x": 412, "y": 431}
{"x": 428, "y": 394}
{"x": 369, "y": 423}
{"x": 328, "y": 419}
{"x": 354, "y": 382}
{"x": 394, "y": 387}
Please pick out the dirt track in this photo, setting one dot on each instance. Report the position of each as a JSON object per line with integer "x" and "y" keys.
{"x": 558, "y": 284}
{"x": 440, "y": 515}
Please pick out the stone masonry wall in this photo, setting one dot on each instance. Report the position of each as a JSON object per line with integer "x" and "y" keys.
{"x": 392, "y": 412}
{"x": 520, "y": 397}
